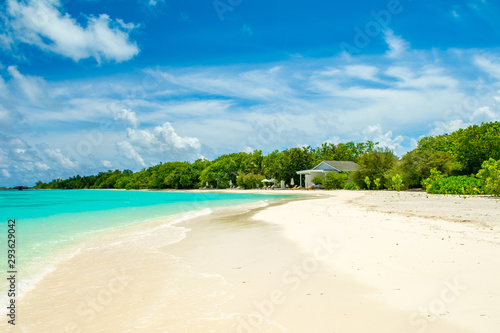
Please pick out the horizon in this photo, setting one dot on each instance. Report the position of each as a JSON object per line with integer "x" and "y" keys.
{"x": 87, "y": 85}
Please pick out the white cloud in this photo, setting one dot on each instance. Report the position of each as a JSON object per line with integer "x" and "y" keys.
{"x": 397, "y": 45}
{"x": 375, "y": 134}
{"x": 159, "y": 143}
{"x": 128, "y": 116}
{"x": 41, "y": 23}
{"x": 361, "y": 71}
{"x": 6, "y": 119}
{"x": 444, "y": 127}
{"x": 3, "y": 87}
{"x": 422, "y": 78}
{"x": 254, "y": 84}
{"x": 42, "y": 166}
{"x": 154, "y": 3}
{"x": 262, "y": 106}
{"x": 31, "y": 86}
{"x": 127, "y": 151}
{"x": 488, "y": 66}
{"x": 484, "y": 114}
{"x": 5, "y": 173}
{"x": 162, "y": 138}
{"x": 57, "y": 156}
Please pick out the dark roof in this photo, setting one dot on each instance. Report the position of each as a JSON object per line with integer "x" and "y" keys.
{"x": 342, "y": 165}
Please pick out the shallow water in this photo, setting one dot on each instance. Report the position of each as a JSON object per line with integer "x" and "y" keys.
{"x": 49, "y": 223}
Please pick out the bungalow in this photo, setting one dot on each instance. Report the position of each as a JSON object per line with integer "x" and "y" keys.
{"x": 324, "y": 167}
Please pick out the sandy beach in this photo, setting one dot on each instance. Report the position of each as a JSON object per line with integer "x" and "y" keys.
{"x": 333, "y": 261}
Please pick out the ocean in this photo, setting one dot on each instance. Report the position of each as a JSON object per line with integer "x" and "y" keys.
{"x": 50, "y": 222}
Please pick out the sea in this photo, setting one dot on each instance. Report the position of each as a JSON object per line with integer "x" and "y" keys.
{"x": 48, "y": 223}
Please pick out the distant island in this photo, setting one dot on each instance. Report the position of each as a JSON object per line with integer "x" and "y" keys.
{"x": 466, "y": 161}
{"x": 20, "y": 187}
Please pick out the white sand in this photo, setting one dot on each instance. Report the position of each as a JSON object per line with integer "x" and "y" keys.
{"x": 343, "y": 261}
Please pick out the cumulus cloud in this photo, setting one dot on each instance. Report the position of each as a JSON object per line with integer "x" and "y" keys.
{"x": 484, "y": 114}
{"x": 107, "y": 164}
{"x": 128, "y": 116}
{"x": 43, "y": 24}
{"x": 480, "y": 115}
{"x": 159, "y": 142}
{"x": 162, "y": 138}
{"x": 20, "y": 162}
{"x": 376, "y": 134}
{"x": 444, "y": 127}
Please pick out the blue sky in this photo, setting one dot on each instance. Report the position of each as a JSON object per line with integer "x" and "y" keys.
{"x": 90, "y": 85}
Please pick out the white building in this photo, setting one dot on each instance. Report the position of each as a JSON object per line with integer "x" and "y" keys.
{"x": 324, "y": 167}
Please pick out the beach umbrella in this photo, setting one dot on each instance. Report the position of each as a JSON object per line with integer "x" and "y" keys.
{"x": 264, "y": 180}
{"x": 230, "y": 183}
{"x": 272, "y": 180}
{"x": 206, "y": 184}
{"x": 292, "y": 182}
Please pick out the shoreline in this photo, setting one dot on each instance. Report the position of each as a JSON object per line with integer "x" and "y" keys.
{"x": 321, "y": 263}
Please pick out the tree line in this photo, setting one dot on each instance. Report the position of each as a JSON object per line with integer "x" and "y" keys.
{"x": 464, "y": 161}
{"x": 242, "y": 169}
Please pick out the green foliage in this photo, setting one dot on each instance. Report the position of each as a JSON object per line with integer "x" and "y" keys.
{"x": 490, "y": 176}
{"x": 351, "y": 186}
{"x": 249, "y": 181}
{"x": 456, "y": 185}
{"x": 334, "y": 180}
{"x": 367, "y": 182}
{"x": 349, "y": 151}
{"x": 434, "y": 175}
{"x": 374, "y": 164}
{"x": 473, "y": 150}
{"x": 416, "y": 165}
{"x": 285, "y": 164}
{"x": 469, "y": 147}
{"x": 397, "y": 182}
{"x": 318, "y": 180}
{"x": 224, "y": 169}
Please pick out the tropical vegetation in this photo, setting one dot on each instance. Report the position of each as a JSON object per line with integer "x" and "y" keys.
{"x": 466, "y": 161}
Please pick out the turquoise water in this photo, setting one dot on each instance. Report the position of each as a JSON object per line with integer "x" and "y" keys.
{"x": 49, "y": 220}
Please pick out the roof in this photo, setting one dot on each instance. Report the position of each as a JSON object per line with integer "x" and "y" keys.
{"x": 340, "y": 165}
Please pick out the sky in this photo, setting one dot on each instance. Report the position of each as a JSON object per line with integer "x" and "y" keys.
{"x": 90, "y": 85}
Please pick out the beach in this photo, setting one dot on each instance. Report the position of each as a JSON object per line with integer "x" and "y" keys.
{"x": 331, "y": 261}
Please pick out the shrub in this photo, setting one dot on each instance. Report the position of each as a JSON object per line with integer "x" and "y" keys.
{"x": 397, "y": 182}
{"x": 317, "y": 180}
{"x": 351, "y": 186}
{"x": 435, "y": 175}
{"x": 250, "y": 180}
{"x": 367, "y": 182}
{"x": 490, "y": 176}
{"x": 374, "y": 164}
{"x": 456, "y": 185}
{"x": 334, "y": 180}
